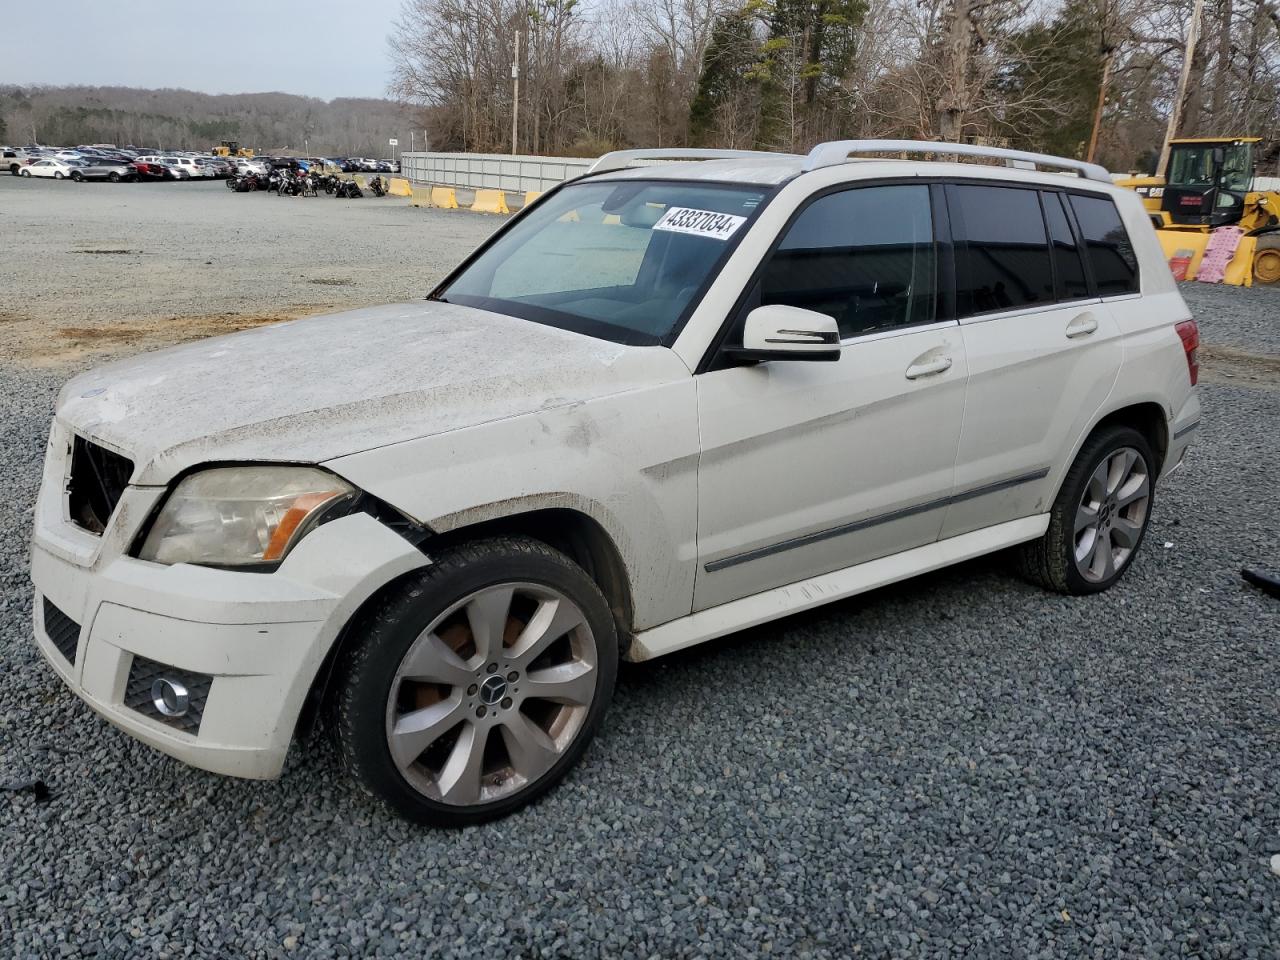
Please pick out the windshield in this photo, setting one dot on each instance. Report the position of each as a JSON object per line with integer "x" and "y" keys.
{"x": 1192, "y": 165}
{"x": 619, "y": 260}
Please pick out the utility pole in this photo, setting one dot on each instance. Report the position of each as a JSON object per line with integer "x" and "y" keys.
{"x": 1175, "y": 115}
{"x": 515, "y": 95}
{"x": 1108, "y": 55}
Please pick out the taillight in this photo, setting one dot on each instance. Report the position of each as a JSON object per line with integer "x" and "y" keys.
{"x": 1189, "y": 333}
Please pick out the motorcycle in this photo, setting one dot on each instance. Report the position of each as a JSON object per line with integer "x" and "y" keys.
{"x": 348, "y": 189}
{"x": 378, "y": 186}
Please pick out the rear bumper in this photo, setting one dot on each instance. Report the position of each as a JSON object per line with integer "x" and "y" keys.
{"x": 258, "y": 638}
{"x": 1184, "y": 428}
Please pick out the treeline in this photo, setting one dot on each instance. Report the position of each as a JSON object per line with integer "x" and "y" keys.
{"x": 784, "y": 74}
{"x": 186, "y": 120}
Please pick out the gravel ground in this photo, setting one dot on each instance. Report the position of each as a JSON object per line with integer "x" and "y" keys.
{"x": 959, "y": 766}
{"x": 1245, "y": 318}
{"x": 92, "y": 269}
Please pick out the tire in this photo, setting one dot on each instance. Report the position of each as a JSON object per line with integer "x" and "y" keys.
{"x": 57, "y": 174}
{"x": 14, "y": 169}
{"x": 113, "y": 177}
{"x": 480, "y": 749}
{"x": 1266, "y": 259}
{"x": 26, "y": 173}
{"x": 1121, "y": 513}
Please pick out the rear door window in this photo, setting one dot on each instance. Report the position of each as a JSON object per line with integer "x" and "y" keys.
{"x": 1069, "y": 268}
{"x": 1115, "y": 265}
{"x": 1001, "y": 250}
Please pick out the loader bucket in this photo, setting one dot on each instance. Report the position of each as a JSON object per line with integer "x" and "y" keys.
{"x": 1184, "y": 249}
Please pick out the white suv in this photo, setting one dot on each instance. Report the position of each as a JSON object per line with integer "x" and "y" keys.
{"x": 660, "y": 405}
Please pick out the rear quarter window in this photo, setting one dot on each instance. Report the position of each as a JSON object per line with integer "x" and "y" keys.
{"x": 1107, "y": 244}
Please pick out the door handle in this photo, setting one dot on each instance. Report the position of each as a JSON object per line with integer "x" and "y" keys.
{"x": 1081, "y": 325}
{"x": 928, "y": 368}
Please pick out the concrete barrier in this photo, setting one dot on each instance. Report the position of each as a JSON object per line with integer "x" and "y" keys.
{"x": 400, "y": 187}
{"x": 532, "y": 195}
{"x": 490, "y": 201}
{"x": 446, "y": 198}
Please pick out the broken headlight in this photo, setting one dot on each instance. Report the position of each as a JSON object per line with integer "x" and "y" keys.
{"x": 242, "y": 516}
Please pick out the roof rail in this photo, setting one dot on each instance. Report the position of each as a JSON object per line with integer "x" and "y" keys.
{"x": 621, "y": 159}
{"x": 838, "y": 151}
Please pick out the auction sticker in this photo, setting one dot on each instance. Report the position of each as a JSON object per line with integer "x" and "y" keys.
{"x": 700, "y": 223}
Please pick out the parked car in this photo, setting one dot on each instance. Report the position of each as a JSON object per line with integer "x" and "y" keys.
{"x": 664, "y": 404}
{"x": 48, "y": 167}
{"x": 150, "y": 171}
{"x": 214, "y": 166}
{"x": 14, "y": 159}
{"x": 102, "y": 170}
{"x": 173, "y": 167}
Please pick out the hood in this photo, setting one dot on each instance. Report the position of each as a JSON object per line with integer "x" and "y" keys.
{"x": 323, "y": 387}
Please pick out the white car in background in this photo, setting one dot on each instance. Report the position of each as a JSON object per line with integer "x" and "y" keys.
{"x": 57, "y": 169}
{"x": 194, "y": 169}
{"x": 663, "y": 404}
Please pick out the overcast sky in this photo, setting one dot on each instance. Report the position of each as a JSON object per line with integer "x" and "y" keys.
{"x": 319, "y": 48}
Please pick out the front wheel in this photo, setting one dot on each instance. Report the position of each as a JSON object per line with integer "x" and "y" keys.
{"x": 1099, "y": 518}
{"x": 113, "y": 177}
{"x": 477, "y": 683}
{"x": 1266, "y": 259}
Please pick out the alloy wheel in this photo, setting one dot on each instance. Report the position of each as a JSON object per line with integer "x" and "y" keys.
{"x": 491, "y": 694}
{"x": 1112, "y": 514}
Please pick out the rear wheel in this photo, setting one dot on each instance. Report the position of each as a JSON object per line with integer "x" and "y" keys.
{"x": 57, "y": 174}
{"x": 476, "y": 684}
{"x": 113, "y": 177}
{"x": 26, "y": 173}
{"x": 1266, "y": 258}
{"x": 1099, "y": 518}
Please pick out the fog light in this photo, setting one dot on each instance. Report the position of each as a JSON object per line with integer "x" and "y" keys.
{"x": 170, "y": 697}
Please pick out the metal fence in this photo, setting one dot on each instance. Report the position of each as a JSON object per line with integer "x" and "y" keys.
{"x": 491, "y": 171}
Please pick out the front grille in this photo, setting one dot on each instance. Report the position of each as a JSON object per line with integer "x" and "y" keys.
{"x": 62, "y": 630}
{"x": 98, "y": 479}
{"x": 143, "y": 673}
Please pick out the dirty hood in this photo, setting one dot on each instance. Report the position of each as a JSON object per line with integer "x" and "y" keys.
{"x": 324, "y": 387}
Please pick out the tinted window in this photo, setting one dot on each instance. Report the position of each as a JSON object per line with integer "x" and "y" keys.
{"x": 1002, "y": 255}
{"x": 863, "y": 256}
{"x": 1115, "y": 266}
{"x": 1066, "y": 254}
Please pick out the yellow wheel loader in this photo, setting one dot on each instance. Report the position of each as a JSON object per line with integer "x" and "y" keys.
{"x": 230, "y": 148}
{"x": 1210, "y": 184}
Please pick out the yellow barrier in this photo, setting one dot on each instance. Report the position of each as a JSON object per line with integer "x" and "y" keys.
{"x": 612, "y": 219}
{"x": 444, "y": 197}
{"x": 400, "y": 187}
{"x": 360, "y": 182}
{"x": 490, "y": 201}
{"x": 531, "y": 195}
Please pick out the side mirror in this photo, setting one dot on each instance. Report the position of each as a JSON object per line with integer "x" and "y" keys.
{"x": 779, "y": 332}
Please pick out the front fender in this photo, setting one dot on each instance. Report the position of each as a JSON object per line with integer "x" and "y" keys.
{"x": 629, "y": 461}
